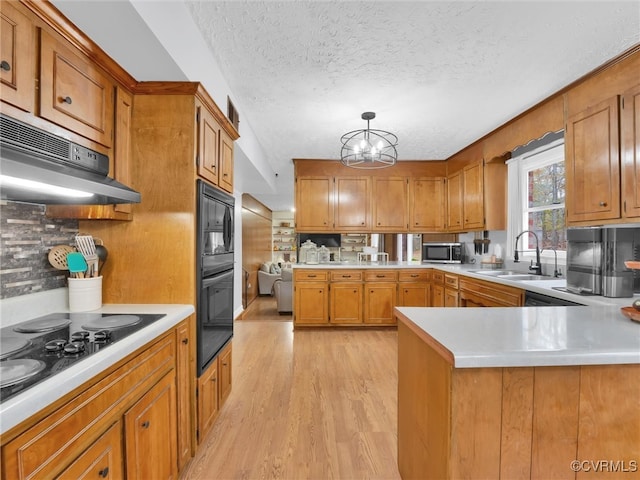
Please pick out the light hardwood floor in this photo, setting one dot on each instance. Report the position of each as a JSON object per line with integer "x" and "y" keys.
{"x": 311, "y": 404}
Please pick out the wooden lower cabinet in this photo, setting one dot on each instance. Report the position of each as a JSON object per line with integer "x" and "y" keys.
{"x": 150, "y": 433}
{"x": 380, "y": 296}
{"x": 185, "y": 373}
{"x": 311, "y": 297}
{"x": 480, "y": 293}
{"x": 214, "y": 386}
{"x": 208, "y": 406}
{"x": 103, "y": 459}
{"x": 413, "y": 288}
{"x": 451, "y": 297}
{"x": 345, "y": 300}
{"x": 136, "y": 398}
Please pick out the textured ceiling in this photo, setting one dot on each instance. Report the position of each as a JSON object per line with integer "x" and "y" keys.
{"x": 438, "y": 74}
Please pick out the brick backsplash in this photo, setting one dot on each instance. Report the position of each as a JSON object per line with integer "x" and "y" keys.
{"x": 26, "y": 236}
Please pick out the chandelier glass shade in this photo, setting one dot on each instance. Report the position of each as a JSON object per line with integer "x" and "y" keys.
{"x": 368, "y": 149}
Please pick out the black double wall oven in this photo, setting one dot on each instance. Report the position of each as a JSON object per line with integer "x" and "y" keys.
{"x": 214, "y": 272}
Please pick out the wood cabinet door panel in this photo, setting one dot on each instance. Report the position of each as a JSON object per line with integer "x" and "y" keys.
{"x": 224, "y": 374}
{"x": 450, "y": 298}
{"x": 473, "y": 196}
{"x": 454, "y": 202}
{"x": 74, "y": 93}
{"x": 414, "y": 294}
{"x": 345, "y": 303}
{"x": 427, "y": 212}
{"x": 314, "y": 204}
{"x": 208, "y": 404}
{"x": 631, "y": 152}
{"x": 184, "y": 373}
{"x": 352, "y": 203}
{"x": 17, "y": 53}
{"x": 150, "y": 433}
{"x": 379, "y": 300}
{"x": 593, "y": 164}
{"x": 103, "y": 459}
{"x": 390, "y": 204}
{"x": 225, "y": 179}
{"x": 437, "y": 295}
{"x": 311, "y": 303}
{"x": 208, "y": 146}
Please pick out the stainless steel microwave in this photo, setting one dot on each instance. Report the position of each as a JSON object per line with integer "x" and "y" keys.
{"x": 438, "y": 252}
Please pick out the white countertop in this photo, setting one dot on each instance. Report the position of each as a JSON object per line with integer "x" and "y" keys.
{"x": 20, "y": 407}
{"x": 527, "y": 336}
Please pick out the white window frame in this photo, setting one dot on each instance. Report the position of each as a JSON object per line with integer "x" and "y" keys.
{"x": 518, "y": 169}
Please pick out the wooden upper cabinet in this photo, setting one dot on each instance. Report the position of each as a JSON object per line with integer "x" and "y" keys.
{"x": 352, "y": 204}
{"x": 390, "y": 204}
{"x": 208, "y": 147}
{"x": 454, "y": 201}
{"x": 473, "y": 199}
{"x": 225, "y": 178}
{"x": 314, "y": 204}
{"x": 17, "y": 50}
{"x": 74, "y": 92}
{"x": 592, "y": 162}
{"x": 630, "y": 142}
{"x": 427, "y": 205}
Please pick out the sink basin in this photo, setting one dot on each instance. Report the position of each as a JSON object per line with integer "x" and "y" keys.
{"x": 495, "y": 273}
{"x": 517, "y": 276}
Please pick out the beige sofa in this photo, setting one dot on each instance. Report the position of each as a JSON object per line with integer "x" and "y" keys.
{"x": 268, "y": 273}
{"x": 283, "y": 288}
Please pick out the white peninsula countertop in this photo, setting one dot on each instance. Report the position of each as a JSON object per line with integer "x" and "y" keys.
{"x": 526, "y": 336}
{"x": 33, "y": 399}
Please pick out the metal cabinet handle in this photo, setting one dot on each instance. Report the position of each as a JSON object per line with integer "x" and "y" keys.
{"x": 104, "y": 473}
{"x": 6, "y": 66}
{"x": 379, "y": 276}
{"x": 603, "y": 204}
{"x": 214, "y": 380}
{"x": 67, "y": 100}
{"x": 145, "y": 424}
{"x": 311, "y": 276}
{"x": 185, "y": 340}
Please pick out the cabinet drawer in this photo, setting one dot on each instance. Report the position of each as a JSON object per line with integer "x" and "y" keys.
{"x": 380, "y": 276}
{"x": 310, "y": 275}
{"x": 438, "y": 277}
{"x": 494, "y": 294}
{"x": 451, "y": 281}
{"x": 75, "y": 93}
{"x": 51, "y": 444}
{"x": 346, "y": 276}
{"x": 414, "y": 275}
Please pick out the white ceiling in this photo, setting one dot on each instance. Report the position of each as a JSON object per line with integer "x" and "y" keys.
{"x": 439, "y": 75}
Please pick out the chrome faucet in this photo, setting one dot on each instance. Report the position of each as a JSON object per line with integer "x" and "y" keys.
{"x": 556, "y": 273}
{"x": 537, "y": 268}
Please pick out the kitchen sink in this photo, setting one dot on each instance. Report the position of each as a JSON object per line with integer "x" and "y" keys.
{"x": 516, "y": 276}
{"x": 496, "y": 273}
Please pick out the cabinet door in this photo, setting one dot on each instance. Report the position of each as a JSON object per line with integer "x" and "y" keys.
{"x": 592, "y": 164}
{"x": 473, "y": 196}
{"x": 390, "y": 204}
{"x": 437, "y": 295}
{"x": 427, "y": 211}
{"x": 75, "y": 93}
{"x": 150, "y": 433}
{"x": 311, "y": 303}
{"x": 631, "y": 152}
{"x": 224, "y": 374}
{"x": 379, "y": 300}
{"x": 103, "y": 459}
{"x": 454, "y": 202}
{"x": 450, "y": 297}
{"x": 225, "y": 180}
{"x": 17, "y": 54}
{"x": 184, "y": 373}
{"x": 208, "y": 146}
{"x": 352, "y": 204}
{"x": 414, "y": 294}
{"x": 346, "y": 303}
{"x": 208, "y": 405}
{"x": 121, "y": 161}
{"x": 314, "y": 204}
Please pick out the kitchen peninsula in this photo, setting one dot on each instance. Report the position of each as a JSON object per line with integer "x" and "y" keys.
{"x": 517, "y": 392}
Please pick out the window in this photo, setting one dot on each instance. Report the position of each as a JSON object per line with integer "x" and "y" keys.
{"x": 536, "y": 199}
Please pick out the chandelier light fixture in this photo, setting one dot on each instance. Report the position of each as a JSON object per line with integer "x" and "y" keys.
{"x": 368, "y": 149}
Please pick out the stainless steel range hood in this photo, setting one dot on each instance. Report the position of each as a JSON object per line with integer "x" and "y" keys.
{"x": 28, "y": 153}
